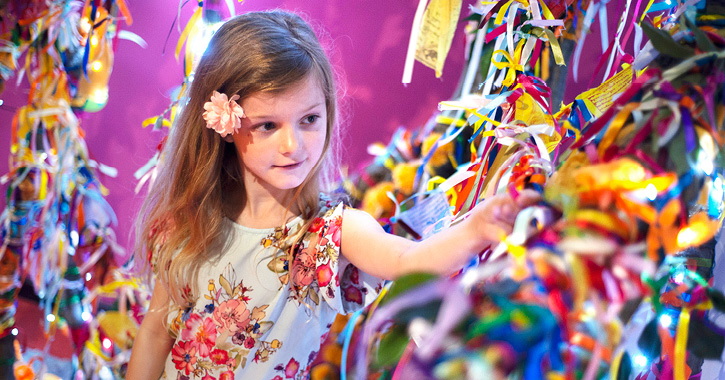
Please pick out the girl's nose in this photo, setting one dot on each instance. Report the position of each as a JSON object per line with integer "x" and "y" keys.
{"x": 290, "y": 140}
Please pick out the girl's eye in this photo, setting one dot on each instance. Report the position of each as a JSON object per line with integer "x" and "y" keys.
{"x": 266, "y": 127}
{"x": 311, "y": 119}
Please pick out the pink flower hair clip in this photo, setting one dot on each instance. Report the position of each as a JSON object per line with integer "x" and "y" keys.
{"x": 222, "y": 114}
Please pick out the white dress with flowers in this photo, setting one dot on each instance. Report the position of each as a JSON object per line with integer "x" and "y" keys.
{"x": 261, "y": 317}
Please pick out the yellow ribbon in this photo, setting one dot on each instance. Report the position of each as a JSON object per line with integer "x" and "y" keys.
{"x": 187, "y": 29}
{"x": 511, "y": 65}
{"x": 681, "y": 343}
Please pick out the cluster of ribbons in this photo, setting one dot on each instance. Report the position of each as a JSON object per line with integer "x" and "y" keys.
{"x": 57, "y": 229}
{"x": 632, "y": 179}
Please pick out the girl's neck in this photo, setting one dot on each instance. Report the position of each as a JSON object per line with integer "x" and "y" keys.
{"x": 261, "y": 209}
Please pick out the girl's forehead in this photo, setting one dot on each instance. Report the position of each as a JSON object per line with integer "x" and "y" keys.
{"x": 303, "y": 94}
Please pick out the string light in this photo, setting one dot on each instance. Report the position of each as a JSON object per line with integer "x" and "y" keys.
{"x": 96, "y": 66}
{"x": 107, "y": 344}
{"x": 88, "y": 276}
{"x": 666, "y": 321}
{"x": 50, "y": 318}
{"x": 14, "y": 331}
{"x": 651, "y": 192}
{"x": 641, "y": 360}
{"x": 86, "y": 316}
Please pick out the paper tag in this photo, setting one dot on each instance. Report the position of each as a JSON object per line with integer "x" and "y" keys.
{"x": 427, "y": 216}
{"x": 436, "y": 33}
{"x": 599, "y": 99}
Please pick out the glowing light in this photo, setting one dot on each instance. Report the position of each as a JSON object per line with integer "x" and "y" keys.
{"x": 74, "y": 237}
{"x": 641, "y": 360}
{"x": 107, "y": 344}
{"x": 705, "y": 162}
{"x": 14, "y": 331}
{"x": 651, "y": 192}
{"x": 668, "y": 2}
{"x": 50, "y": 318}
{"x": 666, "y": 321}
{"x": 100, "y": 96}
{"x": 94, "y": 41}
{"x": 686, "y": 237}
{"x": 88, "y": 276}
{"x": 86, "y": 316}
{"x": 679, "y": 278}
{"x": 96, "y": 66}
{"x": 85, "y": 25}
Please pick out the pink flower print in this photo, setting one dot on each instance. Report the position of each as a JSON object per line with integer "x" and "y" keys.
{"x": 278, "y": 377}
{"x": 223, "y": 115}
{"x": 232, "y": 315}
{"x": 291, "y": 369}
{"x": 184, "y": 356}
{"x": 324, "y": 274}
{"x": 249, "y": 343}
{"x": 353, "y": 294}
{"x": 316, "y": 225}
{"x": 335, "y": 231}
{"x": 231, "y": 363}
{"x": 219, "y": 357}
{"x": 202, "y": 332}
{"x": 208, "y": 377}
{"x": 303, "y": 268}
{"x": 228, "y": 375}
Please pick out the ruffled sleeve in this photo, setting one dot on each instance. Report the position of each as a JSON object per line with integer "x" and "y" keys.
{"x": 342, "y": 285}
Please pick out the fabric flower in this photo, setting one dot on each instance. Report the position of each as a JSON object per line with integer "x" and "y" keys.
{"x": 303, "y": 268}
{"x": 324, "y": 274}
{"x": 219, "y": 356}
{"x": 222, "y": 114}
{"x": 291, "y": 369}
{"x": 184, "y": 356}
{"x": 229, "y": 375}
{"x": 316, "y": 225}
{"x": 335, "y": 231}
{"x": 353, "y": 294}
{"x": 232, "y": 315}
{"x": 202, "y": 332}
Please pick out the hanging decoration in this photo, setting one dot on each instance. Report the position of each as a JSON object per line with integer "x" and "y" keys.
{"x": 56, "y": 232}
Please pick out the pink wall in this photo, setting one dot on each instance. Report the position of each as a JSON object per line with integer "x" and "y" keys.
{"x": 370, "y": 40}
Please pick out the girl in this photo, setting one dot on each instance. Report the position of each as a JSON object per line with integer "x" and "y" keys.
{"x": 252, "y": 264}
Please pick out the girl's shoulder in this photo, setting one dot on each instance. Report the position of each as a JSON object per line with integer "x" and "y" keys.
{"x": 331, "y": 204}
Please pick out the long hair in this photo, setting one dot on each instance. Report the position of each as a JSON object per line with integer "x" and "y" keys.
{"x": 181, "y": 222}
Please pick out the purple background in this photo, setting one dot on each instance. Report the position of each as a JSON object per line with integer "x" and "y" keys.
{"x": 369, "y": 42}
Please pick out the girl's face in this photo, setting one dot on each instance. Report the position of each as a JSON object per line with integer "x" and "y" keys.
{"x": 282, "y": 136}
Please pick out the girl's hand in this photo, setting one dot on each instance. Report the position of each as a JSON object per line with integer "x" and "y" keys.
{"x": 494, "y": 217}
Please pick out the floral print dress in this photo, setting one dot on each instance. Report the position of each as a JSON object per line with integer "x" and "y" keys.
{"x": 262, "y": 314}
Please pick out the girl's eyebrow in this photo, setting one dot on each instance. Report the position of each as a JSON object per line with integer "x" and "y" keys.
{"x": 268, "y": 116}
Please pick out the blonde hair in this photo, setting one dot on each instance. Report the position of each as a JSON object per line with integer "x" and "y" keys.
{"x": 181, "y": 222}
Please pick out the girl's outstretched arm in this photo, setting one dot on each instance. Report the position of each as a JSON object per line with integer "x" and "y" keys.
{"x": 366, "y": 245}
{"x": 153, "y": 343}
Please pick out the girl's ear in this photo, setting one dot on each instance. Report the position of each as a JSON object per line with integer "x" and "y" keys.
{"x": 228, "y": 138}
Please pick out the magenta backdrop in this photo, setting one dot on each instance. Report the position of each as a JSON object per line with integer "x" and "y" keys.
{"x": 369, "y": 44}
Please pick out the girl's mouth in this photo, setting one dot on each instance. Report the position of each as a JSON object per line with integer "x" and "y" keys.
{"x": 290, "y": 166}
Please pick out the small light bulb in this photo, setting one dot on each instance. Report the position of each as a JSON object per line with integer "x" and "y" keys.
{"x": 679, "y": 278}
{"x": 94, "y": 41}
{"x": 88, "y": 276}
{"x": 651, "y": 192}
{"x": 96, "y": 66}
{"x": 86, "y": 316}
{"x": 14, "y": 331}
{"x": 640, "y": 360}
{"x": 107, "y": 344}
{"x": 50, "y": 318}
{"x": 666, "y": 321}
